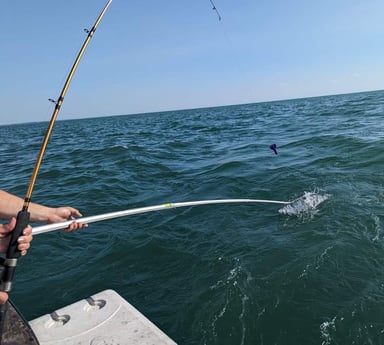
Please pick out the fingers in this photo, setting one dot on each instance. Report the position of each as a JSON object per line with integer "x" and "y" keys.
{"x": 75, "y": 226}
{"x": 5, "y": 229}
{"x": 12, "y": 223}
{"x": 3, "y": 297}
{"x": 75, "y": 212}
{"x": 28, "y": 232}
{"x": 24, "y": 241}
{"x": 68, "y": 213}
{"x": 23, "y": 247}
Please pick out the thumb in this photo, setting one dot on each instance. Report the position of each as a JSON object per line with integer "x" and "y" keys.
{"x": 11, "y": 225}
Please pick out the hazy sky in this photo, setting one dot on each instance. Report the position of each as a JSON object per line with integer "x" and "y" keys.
{"x": 163, "y": 55}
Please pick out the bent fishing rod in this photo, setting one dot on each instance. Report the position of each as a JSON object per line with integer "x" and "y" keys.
{"x": 308, "y": 201}
{"x": 23, "y": 216}
{"x": 111, "y": 215}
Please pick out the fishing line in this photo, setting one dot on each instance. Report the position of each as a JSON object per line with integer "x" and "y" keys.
{"x": 235, "y": 57}
{"x": 215, "y": 9}
{"x": 308, "y": 201}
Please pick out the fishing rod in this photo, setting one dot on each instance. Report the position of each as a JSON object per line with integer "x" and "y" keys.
{"x": 307, "y": 202}
{"x": 23, "y": 216}
{"x": 97, "y": 218}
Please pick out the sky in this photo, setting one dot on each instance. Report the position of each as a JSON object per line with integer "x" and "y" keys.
{"x": 149, "y": 56}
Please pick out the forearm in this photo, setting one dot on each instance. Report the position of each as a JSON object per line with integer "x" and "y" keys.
{"x": 10, "y": 205}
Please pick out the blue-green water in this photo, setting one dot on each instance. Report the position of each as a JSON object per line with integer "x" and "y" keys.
{"x": 218, "y": 274}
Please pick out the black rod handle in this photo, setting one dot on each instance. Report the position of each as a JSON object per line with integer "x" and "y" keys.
{"x": 22, "y": 221}
{"x": 13, "y": 252}
{"x": 9, "y": 265}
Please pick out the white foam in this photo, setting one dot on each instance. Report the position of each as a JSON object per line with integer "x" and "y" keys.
{"x": 306, "y": 203}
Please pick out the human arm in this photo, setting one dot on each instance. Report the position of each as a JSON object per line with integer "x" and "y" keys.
{"x": 11, "y": 204}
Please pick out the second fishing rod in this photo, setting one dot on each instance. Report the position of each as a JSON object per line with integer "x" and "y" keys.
{"x": 23, "y": 217}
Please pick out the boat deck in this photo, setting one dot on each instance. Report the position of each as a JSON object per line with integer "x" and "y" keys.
{"x": 104, "y": 318}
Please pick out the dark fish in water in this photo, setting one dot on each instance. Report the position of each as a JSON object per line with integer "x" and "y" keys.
{"x": 273, "y": 147}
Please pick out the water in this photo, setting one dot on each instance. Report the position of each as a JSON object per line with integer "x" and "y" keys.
{"x": 306, "y": 204}
{"x": 216, "y": 274}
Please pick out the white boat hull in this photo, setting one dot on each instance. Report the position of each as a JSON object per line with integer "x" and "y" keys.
{"x": 104, "y": 318}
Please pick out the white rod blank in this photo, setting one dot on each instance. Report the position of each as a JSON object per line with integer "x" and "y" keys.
{"x": 87, "y": 220}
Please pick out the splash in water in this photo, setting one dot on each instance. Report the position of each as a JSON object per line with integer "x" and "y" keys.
{"x": 306, "y": 203}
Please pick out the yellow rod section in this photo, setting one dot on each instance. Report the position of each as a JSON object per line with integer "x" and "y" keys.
{"x": 59, "y": 102}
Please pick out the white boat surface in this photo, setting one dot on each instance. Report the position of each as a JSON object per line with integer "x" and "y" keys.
{"x": 105, "y": 318}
